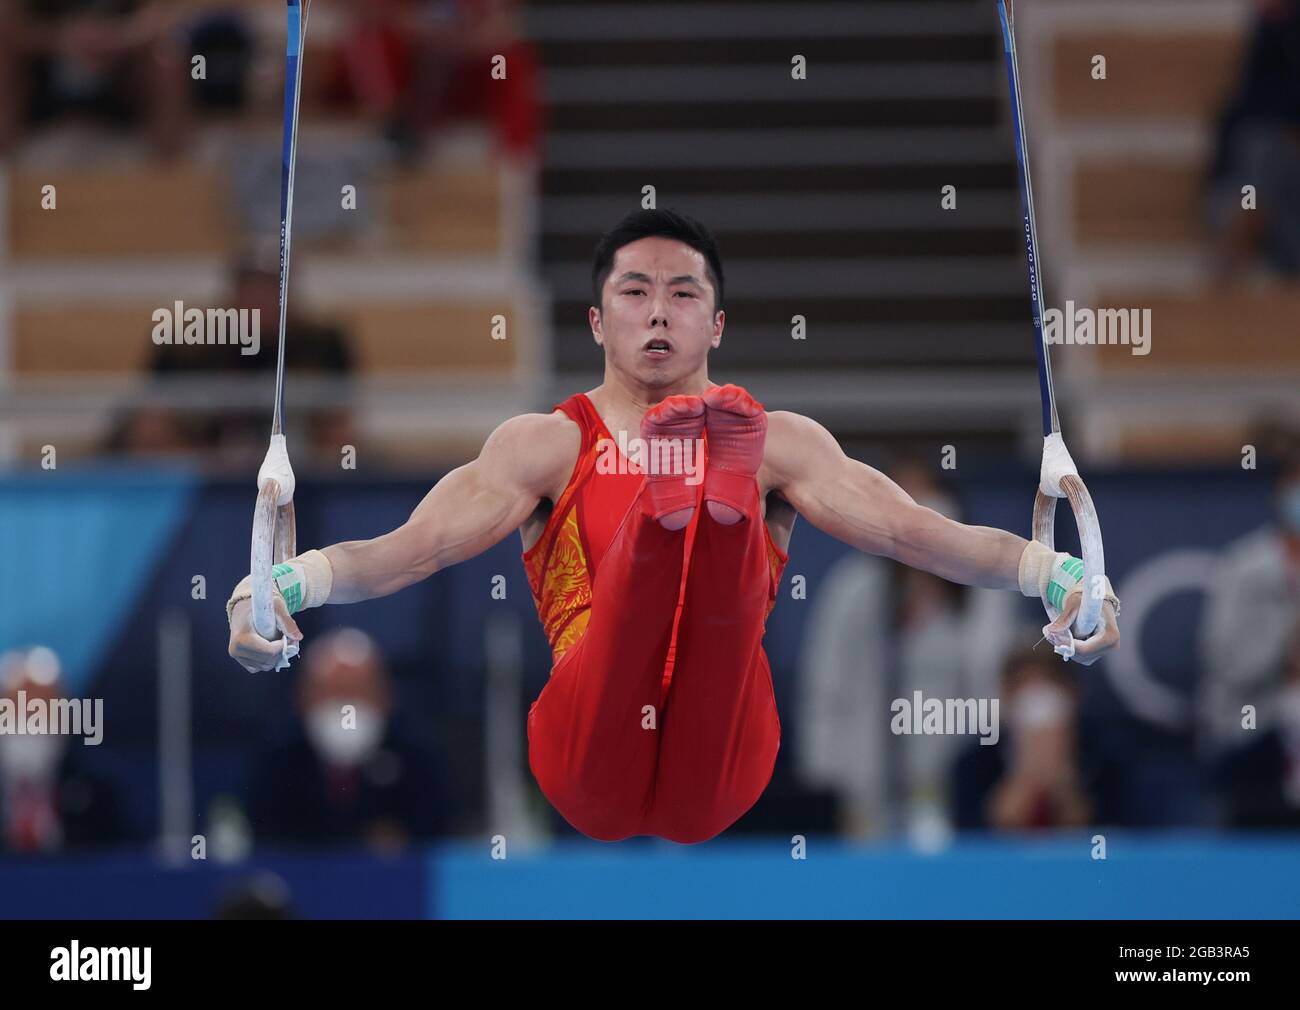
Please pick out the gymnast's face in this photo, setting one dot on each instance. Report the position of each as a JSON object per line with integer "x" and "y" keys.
{"x": 656, "y": 319}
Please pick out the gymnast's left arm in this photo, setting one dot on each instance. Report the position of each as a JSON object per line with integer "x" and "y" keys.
{"x": 864, "y": 508}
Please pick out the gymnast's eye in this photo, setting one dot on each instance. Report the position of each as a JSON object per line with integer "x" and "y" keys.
{"x": 688, "y": 294}
{"x": 633, "y": 291}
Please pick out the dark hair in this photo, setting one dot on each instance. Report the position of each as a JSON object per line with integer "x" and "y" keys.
{"x": 667, "y": 223}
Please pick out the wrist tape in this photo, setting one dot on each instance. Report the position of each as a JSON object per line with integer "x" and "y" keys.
{"x": 1051, "y": 575}
{"x": 304, "y": 582}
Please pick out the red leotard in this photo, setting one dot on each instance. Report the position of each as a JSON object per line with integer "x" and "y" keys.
{"x": 659, "y": 716}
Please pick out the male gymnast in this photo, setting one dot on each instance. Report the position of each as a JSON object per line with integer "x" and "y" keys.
{"x": 653, "y": 578}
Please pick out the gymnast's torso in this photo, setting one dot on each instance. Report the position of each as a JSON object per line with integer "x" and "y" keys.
{"x": 567, "y": 536}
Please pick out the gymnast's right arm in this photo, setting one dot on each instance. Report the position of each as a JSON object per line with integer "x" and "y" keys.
{"x": 469, "y": 510}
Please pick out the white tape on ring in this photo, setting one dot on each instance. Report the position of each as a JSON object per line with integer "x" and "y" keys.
{"x": 1056, "y": 464}
{"x": 276, "y": 467}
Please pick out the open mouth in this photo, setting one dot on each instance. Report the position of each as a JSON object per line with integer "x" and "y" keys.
{"x": 658, "y": 348}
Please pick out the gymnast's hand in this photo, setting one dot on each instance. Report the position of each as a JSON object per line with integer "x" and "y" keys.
{"x": 1103, "y": 639}
{"x": 249, "y": 649}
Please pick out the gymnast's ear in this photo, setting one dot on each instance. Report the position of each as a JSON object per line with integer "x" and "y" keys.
{"x": 593, "y": 320}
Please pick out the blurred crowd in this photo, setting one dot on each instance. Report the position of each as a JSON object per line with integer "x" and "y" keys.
{"x": 346, "y": 770}
{"x": 409, "y": 66}
{"x": 880, "y": 631}
{"x": 234, "y": 440}
{"x": 80, "y": 79}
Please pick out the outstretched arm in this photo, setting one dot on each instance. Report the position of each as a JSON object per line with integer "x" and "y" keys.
{"x": 861, "y": 506}
{"x": 469, "y": 510}
{"x": 864, "y": 508}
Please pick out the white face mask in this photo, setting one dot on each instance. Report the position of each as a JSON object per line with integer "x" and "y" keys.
{"x": 342, "y": 744}
{"x": 1038, "y": 705}
{"x": 30, "y": 757}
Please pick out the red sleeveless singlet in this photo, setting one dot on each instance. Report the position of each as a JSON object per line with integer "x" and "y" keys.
{"x": 563, "y": 564}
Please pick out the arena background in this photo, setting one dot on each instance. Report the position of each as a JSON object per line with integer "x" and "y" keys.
{"x": 433, "y": 198}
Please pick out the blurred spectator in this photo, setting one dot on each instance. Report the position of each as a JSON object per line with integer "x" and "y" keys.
{"x": 409, "y": 66}
{"x": 118, "y": 63}
{"x": 349, "y": 773}
{"x": 1259, "y": 145}
{"x": 1260, "y": 780}
{"x": 1031, "y": 777}
{"x": 1251, "y": 617}
{"x": 311, "y": 350}
{"x": 880, "y": 631}
{"x": 49, "y": 799}
{"x": 226, "y": 40}
{"x": 418, "y": 65}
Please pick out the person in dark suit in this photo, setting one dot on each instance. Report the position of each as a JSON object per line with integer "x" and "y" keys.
{"x": 349, "y": 772}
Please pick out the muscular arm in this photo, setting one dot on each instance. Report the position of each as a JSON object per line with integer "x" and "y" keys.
{"x": 469, "y": 510}
{"x": 864, "y": 508}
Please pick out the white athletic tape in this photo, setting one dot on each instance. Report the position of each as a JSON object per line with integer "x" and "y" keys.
{"x": 1037, "y": 564}
{"x": 288, "y": 649}
{"x": 304, "y": 581}
{"x": 1056, "y": 464}
{"x": 1062, "y": 645}
{"x": 318, "y": 578}
{"x": 276, "y": 467}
